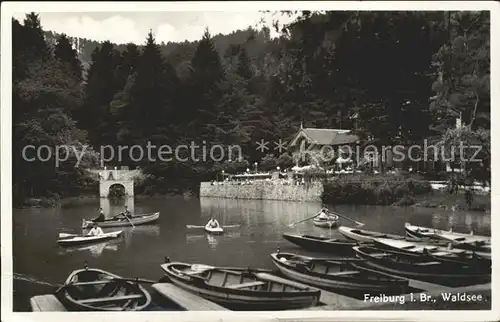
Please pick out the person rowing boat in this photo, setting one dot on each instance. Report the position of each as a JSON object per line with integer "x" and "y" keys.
{"x": 324, "y": 216}
{"x": 123, "y": 215}
{"x": 213, "y": 223}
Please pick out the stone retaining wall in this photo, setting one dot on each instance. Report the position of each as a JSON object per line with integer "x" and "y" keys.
{"x": 264, "y": 190}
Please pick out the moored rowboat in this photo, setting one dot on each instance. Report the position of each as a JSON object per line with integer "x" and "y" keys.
{"x": 336, "y": 274}
{"x": 321, "y": 244}
{"x": 434, "y": 250}
{"x": 460, "y": 240}
{"x": 136, "y": 220}
{"x": 240, "y": 288}
{"x": 77, "y": 240}
{"x": 93, "y": 289}
{"x": 421, "y": 267}
{"x": 365, "y": 235}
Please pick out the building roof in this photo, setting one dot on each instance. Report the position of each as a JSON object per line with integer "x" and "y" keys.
{"x": 325, "y": 136}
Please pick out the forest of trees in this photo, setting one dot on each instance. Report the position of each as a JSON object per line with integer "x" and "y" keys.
{"x": 406, "y": 76}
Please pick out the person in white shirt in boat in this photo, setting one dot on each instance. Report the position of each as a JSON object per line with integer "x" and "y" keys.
{"x": 323, "y": 215}
{"x": 96, "y": 230}
{"x": 101, "y": 217}
{"x": 213, "y": 223}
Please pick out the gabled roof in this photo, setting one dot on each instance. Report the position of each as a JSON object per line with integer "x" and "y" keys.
{"x": 325, "y": 136}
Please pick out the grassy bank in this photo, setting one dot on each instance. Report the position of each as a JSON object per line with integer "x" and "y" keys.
{"x": 374, "y": 190}
{"x": 444, "y": 200}
{"x": 55, "y": 201}
{"x": 397, "y": 191}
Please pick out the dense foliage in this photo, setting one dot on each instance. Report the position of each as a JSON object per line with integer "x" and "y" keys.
{"x": 394, "y": 77}
{"x": 367, "y": 190}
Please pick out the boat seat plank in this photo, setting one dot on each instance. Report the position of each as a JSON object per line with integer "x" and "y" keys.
{"x": 249, "y": 284}
{"x": 428, "y": 263}
{"x": 230, "y": 271}
{"x": 187, "y": 300}
{"x": 91, "y": 283}
{"x": 111, "y": 299}
{"x": 274, "y": 278}
{"x": 344, "y": 273}
{"x": 379, "y": 255}
{"x": 46, "y": 303}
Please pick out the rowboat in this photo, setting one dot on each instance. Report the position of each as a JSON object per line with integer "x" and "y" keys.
{"x": 365, "y": 235}
{"x": 460, "y": 240}
{"x": 336, "y": 274}
{"x": 136, "y": 220}
{"x": 241, "y": 289}
{"x": 329, "y": 222}
{"x": 92, "y": 289}
{"x": 94, "y": 249}
{"x": 436, "y": 250}
{"x": 421, "y": 267}
{"x": 84, "y": 239}
{"x": 321, "y": 244}
{"x": 214, "y": 230}
{"x": 203, "y": 227}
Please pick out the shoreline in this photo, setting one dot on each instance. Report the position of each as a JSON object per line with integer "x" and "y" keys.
{"x": 44, "y": 202}
{"x": 437, "y": 200}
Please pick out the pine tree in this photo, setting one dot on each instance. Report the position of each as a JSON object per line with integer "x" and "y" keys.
{"x": 152, "y": 95}
{"x": 65, "y": 53}
{"x": 205, "y": 79}
{"x": 34, "y": 36}
{"x": 129, "y": 62}
{"x": 101, "y": 86}
{"x": 244, "y": 65}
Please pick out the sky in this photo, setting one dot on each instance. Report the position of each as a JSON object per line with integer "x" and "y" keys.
{"x": 125, "y": 27}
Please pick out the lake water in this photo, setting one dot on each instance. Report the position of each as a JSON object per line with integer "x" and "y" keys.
{"x": 39, "y": 261}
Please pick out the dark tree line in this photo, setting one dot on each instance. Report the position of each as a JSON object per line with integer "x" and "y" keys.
{"x": 394, "y": 77}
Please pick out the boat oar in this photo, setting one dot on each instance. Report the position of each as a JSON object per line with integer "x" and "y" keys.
{"x": 59, "y": 289}
{"x": 231, "y": 226}
{"x": 137, "y": 280}
{"x": 66, "y": 235}
{"x": 298, "y": 222}
{"x": 130, "y": 221}
{"x": 355, "y": 221}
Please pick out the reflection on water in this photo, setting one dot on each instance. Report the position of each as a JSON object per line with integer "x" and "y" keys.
{"x": 139, "y": 231}
{"x": 212, "y": 240}
{"x": 114, "y": 206}
{"x": 95, "y": 250}
{"x": 141, "y": 250}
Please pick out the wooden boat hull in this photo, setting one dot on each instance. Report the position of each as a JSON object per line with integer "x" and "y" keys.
{"x": 459, "y": 240}
{"x": 221, "y": 286}
{"x": 436, "y": 250}
{"x": 203, "y": 227}
{"x": 214, "y": 231}
{"x": 326, "y": 223}
{"x": 366, "y": 236}
{"x": 136, "y": 220}
{"x": 321, "y": 244}
{"x": 321, "y": 274}
{"x": 79, "y": 240}
{"x": 420, "y": 267}
{"x": 96, "y": 290}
